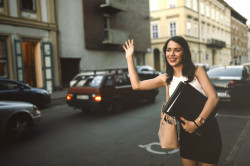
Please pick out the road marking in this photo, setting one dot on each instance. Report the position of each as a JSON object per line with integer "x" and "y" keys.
{"x": 149, "y": 149}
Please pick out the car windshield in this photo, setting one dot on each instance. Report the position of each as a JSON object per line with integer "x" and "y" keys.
{"x": 226, "y": 72}
{"x": 89, "y": 81}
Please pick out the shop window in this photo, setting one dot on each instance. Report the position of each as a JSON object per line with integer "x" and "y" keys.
{"x": 29, "y": 5}
{"x": 3, "y": 59}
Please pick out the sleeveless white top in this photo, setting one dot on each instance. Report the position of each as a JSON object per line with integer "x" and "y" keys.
{"x": 195, "y": 83}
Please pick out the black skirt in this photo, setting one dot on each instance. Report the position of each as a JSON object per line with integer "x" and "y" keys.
{"x": 205, "y": 148}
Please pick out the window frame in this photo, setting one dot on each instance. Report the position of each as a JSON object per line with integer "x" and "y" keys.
{"x": 172, "y": 30}
{"x": 189, "y": 29}
{"x": 5, "y": 58}
{"x": 155, "y": 31}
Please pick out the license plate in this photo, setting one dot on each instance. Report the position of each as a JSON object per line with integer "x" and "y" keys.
{"x": 82, "y": 97}
{"x": 222, "y": 94}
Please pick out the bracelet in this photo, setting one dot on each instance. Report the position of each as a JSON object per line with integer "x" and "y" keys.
{"x": 196, "y": 124}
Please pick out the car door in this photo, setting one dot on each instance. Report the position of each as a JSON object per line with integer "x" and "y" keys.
{"x": 123, "y": 88}
{"x": 10, "y": 91}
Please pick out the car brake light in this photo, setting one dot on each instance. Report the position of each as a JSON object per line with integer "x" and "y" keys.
{"x": 98, "y": 98}
{"x": 235, "y": 83}
{"x": 69, "y": 96}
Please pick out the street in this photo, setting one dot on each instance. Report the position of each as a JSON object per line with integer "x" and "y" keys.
{"x": 68, "y": 136}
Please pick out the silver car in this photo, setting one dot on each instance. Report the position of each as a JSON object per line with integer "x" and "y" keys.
{"x": 17, "y": 120}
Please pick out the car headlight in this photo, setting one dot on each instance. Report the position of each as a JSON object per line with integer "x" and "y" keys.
{"x": 36, "y": 110}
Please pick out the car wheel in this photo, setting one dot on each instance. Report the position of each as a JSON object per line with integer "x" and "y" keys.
{"x": 116, "y": 106}
{"x": 18, "y": 128}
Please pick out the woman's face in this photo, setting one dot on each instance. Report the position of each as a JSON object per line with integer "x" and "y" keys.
{"x": 174, "y": 53}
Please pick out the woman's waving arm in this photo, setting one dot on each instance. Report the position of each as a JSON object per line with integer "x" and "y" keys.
{"x": 135, "y": 81}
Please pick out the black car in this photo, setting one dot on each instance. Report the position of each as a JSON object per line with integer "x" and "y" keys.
{"x": 232, "y": 83}
{"x": 11, "y": 90}
{"x": 105, "y": 91}
{"x": 17, "y": 119}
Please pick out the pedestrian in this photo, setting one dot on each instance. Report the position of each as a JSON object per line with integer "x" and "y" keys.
{"x": 194, "y": 149}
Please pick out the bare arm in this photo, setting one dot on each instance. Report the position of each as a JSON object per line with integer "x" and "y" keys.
{"x": 135, "y": 81}
{"x": 208, "y": 88}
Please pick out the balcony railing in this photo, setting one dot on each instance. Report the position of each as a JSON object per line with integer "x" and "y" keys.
{"x": 113, "y": 6}
{"x": 216, "y": 43}
{"x": 113, "y": 36}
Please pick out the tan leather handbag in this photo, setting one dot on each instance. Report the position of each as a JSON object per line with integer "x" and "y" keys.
{"x": 168, "y": 131}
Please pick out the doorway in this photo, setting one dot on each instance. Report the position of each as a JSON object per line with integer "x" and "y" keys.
{"x": 157, "y": 65}
{"x": 31, "y": 61}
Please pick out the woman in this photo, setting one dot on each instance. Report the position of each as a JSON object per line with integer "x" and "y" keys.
{"x": 205, "y": 149}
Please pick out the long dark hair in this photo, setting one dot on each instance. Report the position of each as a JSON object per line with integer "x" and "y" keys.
{"x": 189, "y": 68}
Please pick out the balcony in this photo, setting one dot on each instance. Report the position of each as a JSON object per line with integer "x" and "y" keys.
{"x": 111, "y": 6}
{"x": 113, "y": 36}
{"x": 216, "y": 43}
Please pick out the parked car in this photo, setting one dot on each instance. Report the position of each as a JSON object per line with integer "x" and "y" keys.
{"x": 146, "y": 72}
{"x": 232, "y": 83}
{"x": 17, "y": 119}
{"x": 105, "y": 91}
{"x": 11, "y": 90}
{"x": 204, "y": 65}
{"x": 247, "y": 65}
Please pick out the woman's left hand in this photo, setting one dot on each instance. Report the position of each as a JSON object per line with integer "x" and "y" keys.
{"x": 189, "y": 126}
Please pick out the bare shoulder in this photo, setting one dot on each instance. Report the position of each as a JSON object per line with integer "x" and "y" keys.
{"x": 200, "y": 71}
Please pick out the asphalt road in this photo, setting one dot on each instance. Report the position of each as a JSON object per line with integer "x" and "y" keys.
{"x": 69, "y": 137}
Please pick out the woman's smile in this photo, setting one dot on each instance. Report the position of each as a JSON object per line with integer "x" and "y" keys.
{"x": 174, "y": 53}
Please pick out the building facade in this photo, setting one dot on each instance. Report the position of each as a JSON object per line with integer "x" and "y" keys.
{"x": 28, "y": 42}
{"x": 92, "y": 32}
{"x": 205, "y": 24}
{"x": 239, "y": 38}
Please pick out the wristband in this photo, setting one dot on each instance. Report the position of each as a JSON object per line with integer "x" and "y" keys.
{"x": 196, "y": 124}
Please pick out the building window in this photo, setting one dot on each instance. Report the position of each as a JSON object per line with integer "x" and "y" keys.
{"x": 196, "y": 29}
{"x": 155, "y": 31}
{"x": 171, "y": 3}
{"x": 106, "y": 27}
{"x": 28, "y": 5}
{"x": 195, "y": 5}
{"x": 188, "y": 3}
{"x": 202, "y": 8}
{"x": 172, "y": 28}
{"x": 202, "y": 31}
{"x": 208, "y": 32}
{"x": 3, "y": 59}
{"x": 154, "y": 5}
{"x": 207, "y": 11}
{"x": 189, "y": 28}
{"x": 217, "y": 16}
{"x": 212, "y": 13}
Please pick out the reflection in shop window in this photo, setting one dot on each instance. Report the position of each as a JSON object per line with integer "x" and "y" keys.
{"x": 28, "y": 5}
{"x": 3, "y": 59}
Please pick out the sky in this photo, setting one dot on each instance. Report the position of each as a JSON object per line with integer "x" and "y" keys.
{"x": 241, "y": 6}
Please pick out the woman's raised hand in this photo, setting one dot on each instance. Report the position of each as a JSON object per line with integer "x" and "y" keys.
{"x": 129, "y": 48}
